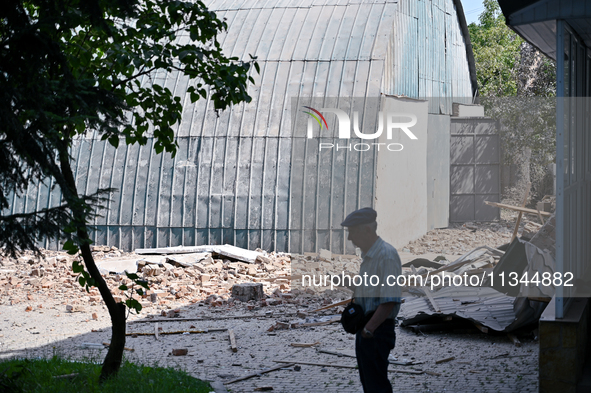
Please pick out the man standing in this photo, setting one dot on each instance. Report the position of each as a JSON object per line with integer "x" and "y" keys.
{"x": 380, "y": 260}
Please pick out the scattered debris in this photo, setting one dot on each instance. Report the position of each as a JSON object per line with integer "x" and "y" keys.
{"x": 260, "y": 373}
{"x": 125, "y": 348}
{"x": 327, "y": 320}
{"x": 180, "y": 352}
{"x": 304, "y": 345}
{"x": 472, "y": 287}
{"x": 75, "y": 308}
{"x": 445, "y": 360}
{"x": 232, "y": 337}
{"x": 422, "y": 262}
{"x": 91, "y": 346}
{"x": 346, "y": 366}
{"x": 514, "y": 339}
{"x": 68, "y": 376}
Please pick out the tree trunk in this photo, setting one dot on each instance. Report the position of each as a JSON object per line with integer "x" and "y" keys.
{"x": 524, "y": 179}
{"x": 112, "y": 361}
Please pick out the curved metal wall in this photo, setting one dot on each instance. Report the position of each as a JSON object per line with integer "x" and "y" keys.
{"x": 233, "y": 177}
{"x": 427, "y": 40}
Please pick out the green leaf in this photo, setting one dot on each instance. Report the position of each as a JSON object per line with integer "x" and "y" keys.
{"x": 114, "y": 141}
{"x": 133, "y": 304}
{"x": 143, "y": 283}
{"x": 123, "y": 287}
{"x": 82, "y": 281}
{"x": 77, "y": 267}
{"x": 70, "y": 247}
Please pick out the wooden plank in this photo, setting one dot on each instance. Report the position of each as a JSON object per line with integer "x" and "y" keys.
{"x": 344, "y": 366}
{"x": 260, "y": 373}
{"x": 232, "y": 340}
{"x": 332, "y": 305}
{"x": 483, "y": 329}
{"x": 540, "y": 216}
{"x": 178, "y": 332}
{"x": 514, "y": 339}
{"x": 517, "y": 208}
{"x": 520, "y": 213}
{"x": 208, "y": 319}
{"x": 333, "y": 320}
{"x": 445, "y": 360}
{"x": 335, "y": 353}
{"x": 304, "y": 345}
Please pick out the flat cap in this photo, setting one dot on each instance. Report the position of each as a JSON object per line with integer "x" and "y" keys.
{"x": 367, "y": 215}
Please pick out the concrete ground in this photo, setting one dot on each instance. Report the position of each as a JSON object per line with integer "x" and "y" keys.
{"x": 482, "y": 363}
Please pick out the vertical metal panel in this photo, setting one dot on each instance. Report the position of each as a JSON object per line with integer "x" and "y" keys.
{"x": 573, "y": 213}
{"x": 438, "y": 167}
{"x": 474, "y": 170}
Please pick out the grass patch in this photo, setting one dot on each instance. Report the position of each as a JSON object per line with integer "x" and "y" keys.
{"x": 39, "y": 375}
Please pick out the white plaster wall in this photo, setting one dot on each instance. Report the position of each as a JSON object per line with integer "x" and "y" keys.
{"x": 401, "y": 177}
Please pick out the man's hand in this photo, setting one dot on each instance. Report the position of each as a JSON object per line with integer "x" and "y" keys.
{"x": 366, "y": 333}
{"x": 378, "y": 317}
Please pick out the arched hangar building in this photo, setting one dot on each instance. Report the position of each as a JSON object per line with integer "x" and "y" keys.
{"x": 246, "y": 178}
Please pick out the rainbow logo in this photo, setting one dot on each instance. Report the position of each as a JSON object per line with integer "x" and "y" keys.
{"x": 315, "y": 117}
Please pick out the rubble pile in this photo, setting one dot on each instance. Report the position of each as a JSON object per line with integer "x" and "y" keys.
{"x": 208, "y": 280}
{"x": 473, "y": 287}
{"x": 212, "y": 275}
{"x": 460, "y": 238}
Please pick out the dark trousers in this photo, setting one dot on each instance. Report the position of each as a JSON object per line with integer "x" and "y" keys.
{"x": 372, "y": 358}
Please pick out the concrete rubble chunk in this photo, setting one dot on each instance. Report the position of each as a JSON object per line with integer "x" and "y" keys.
{"x": 187, "y": 260}
{"x": 226, "y": 250}
{"x": 128, "y": 265}
{"x": 205, "y": 278}
{"x": 248, "y": 291}
{"x": 74, "y": 308}
{"x": 325, "y": 254}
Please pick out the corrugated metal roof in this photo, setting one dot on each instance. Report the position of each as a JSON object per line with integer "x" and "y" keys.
{"x": 484, "y": 305}
{"x": 239, "y": 177}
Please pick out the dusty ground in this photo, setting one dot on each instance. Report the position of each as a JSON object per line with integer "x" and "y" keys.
{"x": 482, "y": 363}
